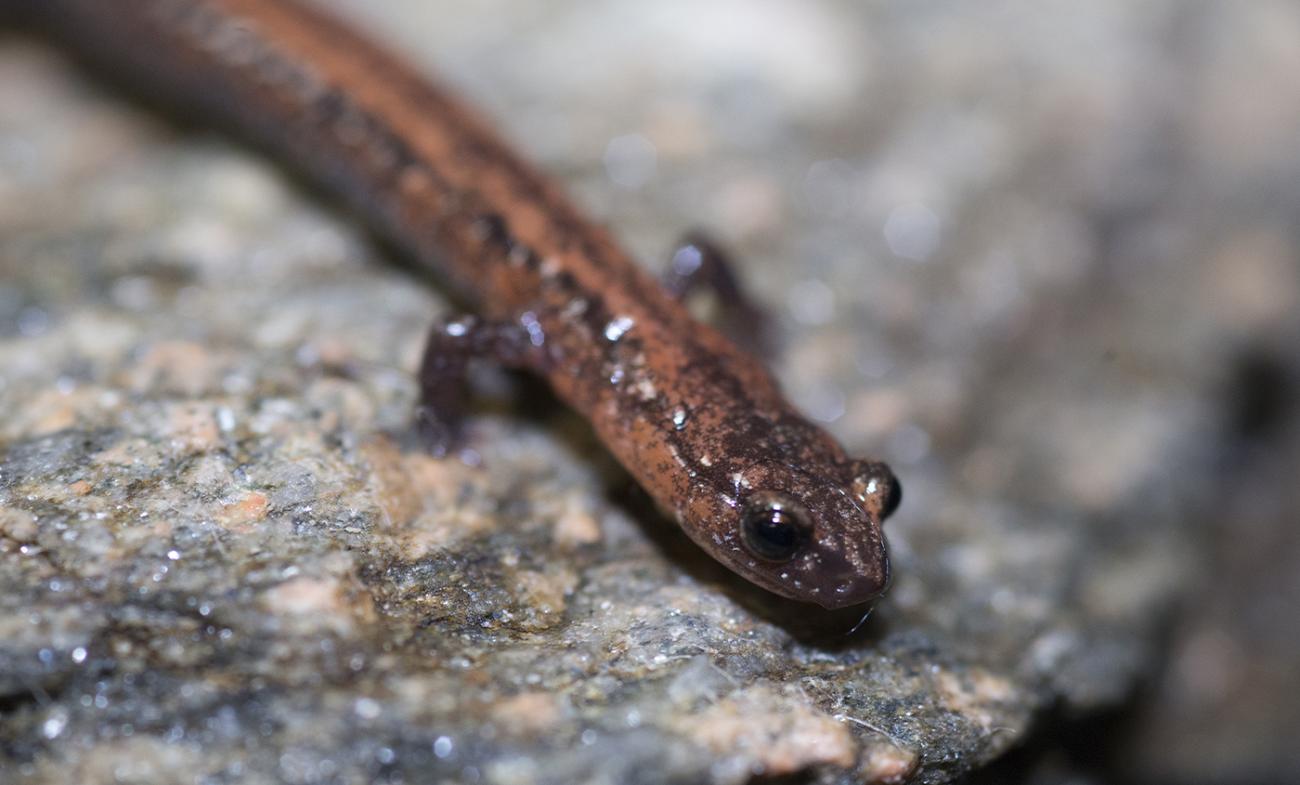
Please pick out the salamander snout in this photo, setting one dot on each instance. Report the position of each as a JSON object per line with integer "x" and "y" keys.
{"x": 818, "y": 538}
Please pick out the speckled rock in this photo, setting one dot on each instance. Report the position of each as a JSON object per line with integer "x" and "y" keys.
{"x": 1000, "y": 257}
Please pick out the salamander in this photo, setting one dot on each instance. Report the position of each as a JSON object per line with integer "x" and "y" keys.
{"x": 699, "y": 422}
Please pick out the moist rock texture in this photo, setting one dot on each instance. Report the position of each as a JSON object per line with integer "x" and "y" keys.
{"x": 1014, "y": 251}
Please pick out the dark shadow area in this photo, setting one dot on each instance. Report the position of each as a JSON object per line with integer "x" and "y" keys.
{"x": 1260, "y": 396}
{"x": 1067, "y": 749}
{"x": 1152, "y": 739}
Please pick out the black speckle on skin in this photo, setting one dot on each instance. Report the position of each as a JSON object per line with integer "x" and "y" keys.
{"x": 329, "y": 107}
{"x": 493, "y": 230}
{"x": 565, "y": 281}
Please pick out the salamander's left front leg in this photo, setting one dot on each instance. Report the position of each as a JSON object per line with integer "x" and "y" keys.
{"x": 698, "y": 262}
{"x": 445, "y": 366}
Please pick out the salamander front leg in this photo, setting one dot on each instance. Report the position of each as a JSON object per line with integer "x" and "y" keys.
{"x": 699, "y": 262}
{"x": 445, "y": 366}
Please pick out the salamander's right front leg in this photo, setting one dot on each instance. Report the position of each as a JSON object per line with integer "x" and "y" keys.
{"x": 444, "y": 370}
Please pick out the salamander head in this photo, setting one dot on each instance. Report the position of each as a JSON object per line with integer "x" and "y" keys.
{"x": 815, "y": 538}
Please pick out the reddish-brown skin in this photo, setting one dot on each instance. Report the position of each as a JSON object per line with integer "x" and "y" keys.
{"x": 698, "y": 422}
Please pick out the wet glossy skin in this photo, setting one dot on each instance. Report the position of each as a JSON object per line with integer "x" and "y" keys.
{"x": 699, "y": 423}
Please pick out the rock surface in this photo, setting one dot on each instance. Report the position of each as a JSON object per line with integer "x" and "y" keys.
{"x": 1013, "y": 249}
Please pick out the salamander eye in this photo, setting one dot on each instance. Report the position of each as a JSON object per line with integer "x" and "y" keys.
{"x": 773, "y": 528}
{"x": 894, "y": 498}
